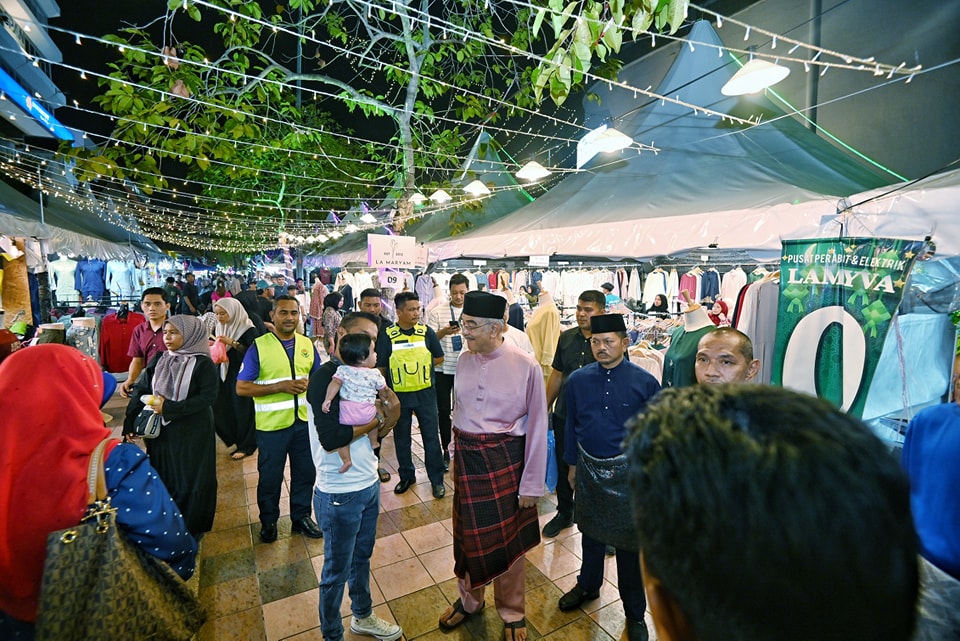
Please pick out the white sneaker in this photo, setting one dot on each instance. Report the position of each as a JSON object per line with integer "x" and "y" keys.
{"x": 374, "y": 626}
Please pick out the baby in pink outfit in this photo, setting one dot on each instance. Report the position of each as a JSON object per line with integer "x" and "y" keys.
{"x": 357, "y": 381}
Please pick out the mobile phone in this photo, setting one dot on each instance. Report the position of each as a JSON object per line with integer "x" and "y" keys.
{"x": 454, "y": 323}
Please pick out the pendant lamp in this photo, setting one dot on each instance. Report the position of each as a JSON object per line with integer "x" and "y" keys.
{"x": 533, "y": 171}
{"x": 754, "y": 76}
{"x": 602, "y": 139}
{"x": 477, "y": 188}
{"x": 440, "y": 197}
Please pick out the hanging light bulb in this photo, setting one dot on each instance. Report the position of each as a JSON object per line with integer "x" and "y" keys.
{"x": 350, "y": 228}
{"x": 416, "y": 198}
{"x": 440, "y": 197}
{"x": 602, "y": 139}
{"x": 477, "y": 188}
{"x": 754, "y": 76}
{"x": 533, "y": 171}
{"x": 368, "y": 218}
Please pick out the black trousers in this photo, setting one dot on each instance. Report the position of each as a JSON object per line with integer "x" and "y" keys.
{"x": 444, "y": 385}
{"x": 564, "y": 491}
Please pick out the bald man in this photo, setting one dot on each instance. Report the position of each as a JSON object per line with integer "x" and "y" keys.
{"x": 725, "y": 355}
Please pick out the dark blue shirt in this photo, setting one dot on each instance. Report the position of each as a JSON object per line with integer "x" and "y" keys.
{"x": 599, "y": 403}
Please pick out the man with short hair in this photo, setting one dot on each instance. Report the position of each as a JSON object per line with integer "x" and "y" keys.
{"x": 407, "y": 353}
{"x": 173, "y": 293}
{"x": 371, "y": 303}
{"x": 767, "y": 515}
{"x": 147, "y": 338}
{"x": 190, "y": 296}
{"x": 445, "y": 321}
{"x": 573, "y": 352}
{"x": 601, "y": 398}
{"x": 275, "y": 372}
{"x": 725, "y": 355}
{"x": 500, "y": 413}
{"x": 265, "y": 300}
{"x": 348, "y": 504}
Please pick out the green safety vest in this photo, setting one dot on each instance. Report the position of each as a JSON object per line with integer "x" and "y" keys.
{"x": 410, "y": 361}
{"x": 278, "y": 411}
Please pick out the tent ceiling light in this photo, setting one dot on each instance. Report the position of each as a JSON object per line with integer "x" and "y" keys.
{"x": 533, "y": 171}
{"x": 416, "y": 198}
{"x": 335, "y": 235}
{"x": 603, "y": 139}
{"x": 440, "y": 197}
{"x": 754, "y": 76}
{"x": 350, "y": 228}
{"x": 477, "y": 188}
{"x": 368, "y": 218}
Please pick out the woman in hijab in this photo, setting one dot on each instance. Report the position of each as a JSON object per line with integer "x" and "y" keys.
{"x": 719, "y": 314}
{"x": 331, "y": 319}
{"x": 184, "y": 383}
{"x": 234, "y": 415}
{"x": 659, "y": 306}
{"x": 47, "y": 434}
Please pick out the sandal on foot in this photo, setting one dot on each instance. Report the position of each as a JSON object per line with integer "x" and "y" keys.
{"x": 514, "y": 628}
{"x": 447, "y": 621}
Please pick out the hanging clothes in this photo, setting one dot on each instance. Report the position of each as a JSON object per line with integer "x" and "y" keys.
{"x": 90, "y": 278}
{"x": 731, "y": 284}
{"x": 115, "y": 334}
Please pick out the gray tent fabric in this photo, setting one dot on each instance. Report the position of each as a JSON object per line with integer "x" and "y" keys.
{"x": 67, "y": 229}
{"x": 710, "y": 181}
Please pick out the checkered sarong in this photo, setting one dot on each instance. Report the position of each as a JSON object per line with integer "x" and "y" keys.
{"x": 490, "y": 531}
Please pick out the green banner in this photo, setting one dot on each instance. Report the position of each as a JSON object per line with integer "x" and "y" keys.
{"x": 837, "y": 299}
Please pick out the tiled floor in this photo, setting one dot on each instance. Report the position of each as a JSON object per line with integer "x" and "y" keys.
{"x": 255, "y": 591}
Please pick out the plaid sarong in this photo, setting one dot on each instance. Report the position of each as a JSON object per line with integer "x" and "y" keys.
{"x": 490, "y": 531}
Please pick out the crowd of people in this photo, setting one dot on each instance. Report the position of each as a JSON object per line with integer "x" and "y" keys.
{"x": 734, "y": 510}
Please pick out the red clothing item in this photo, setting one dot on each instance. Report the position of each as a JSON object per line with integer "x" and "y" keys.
{"x": 146, "y": 343}
{"x": 48, "y": 433}
{"x": 115, "y": 336}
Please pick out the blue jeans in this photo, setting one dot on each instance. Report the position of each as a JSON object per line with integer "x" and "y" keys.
{"x": 349, "y": 523}
{"x": 273, "y": 449}
{"x": 430, "y": 435}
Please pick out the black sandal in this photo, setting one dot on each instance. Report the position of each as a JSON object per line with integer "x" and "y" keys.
{"x": 456, "y": 609}
{"x": 514, "y": 626}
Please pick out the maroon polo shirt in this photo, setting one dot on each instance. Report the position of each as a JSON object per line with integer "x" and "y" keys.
{"x": 146, "y": 343}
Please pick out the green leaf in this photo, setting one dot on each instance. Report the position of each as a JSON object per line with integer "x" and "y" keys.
{"x": 194, "y": 13}
{"x": 538, "y": 21}
{"x": 677, "y": 13}
{"x": 613, "y": 38}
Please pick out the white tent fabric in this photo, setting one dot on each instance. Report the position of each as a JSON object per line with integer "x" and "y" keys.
{"x": 711, "y": 181}
{"x": 908, "y": 210}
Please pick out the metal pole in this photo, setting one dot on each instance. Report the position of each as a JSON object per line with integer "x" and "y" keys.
{"x": 813, "y": 77}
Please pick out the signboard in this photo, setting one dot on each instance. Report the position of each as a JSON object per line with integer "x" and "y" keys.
{"x": 837, "y": 299}
{"x": 539, "y": 261}
{"x": 479, "y": 263}
{"x": 396, "y": 252}
{"x": 391, "y": 278}
{"x": 29, "y": 104}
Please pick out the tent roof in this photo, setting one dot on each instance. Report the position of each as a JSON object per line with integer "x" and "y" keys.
{"x": 67, "y": 229}
{"x": 711, "y": 181}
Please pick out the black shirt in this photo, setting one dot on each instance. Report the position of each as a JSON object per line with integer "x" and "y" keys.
{"x": 190, "y": 293}
{"x": 573, "y": 352}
